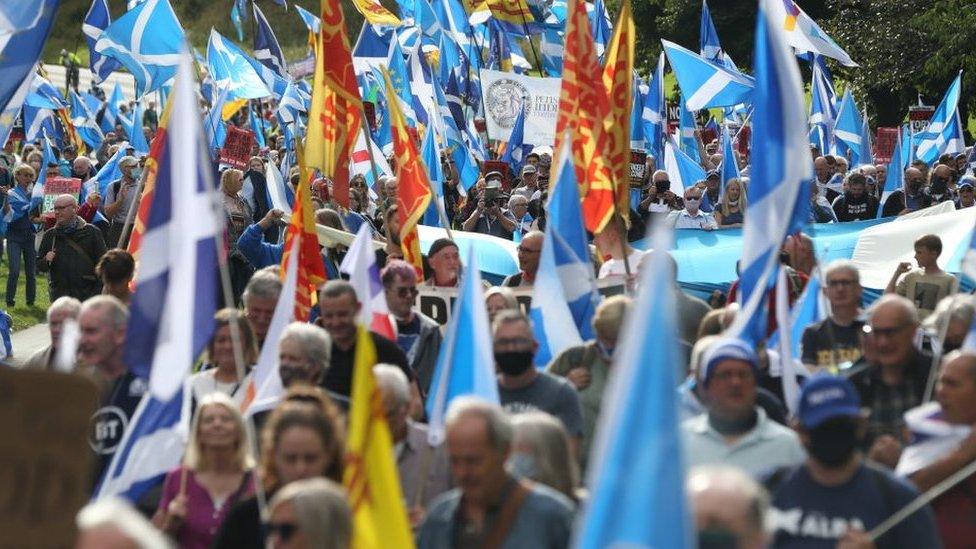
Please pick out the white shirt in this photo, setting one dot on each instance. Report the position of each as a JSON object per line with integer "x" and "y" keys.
{"x": 684, "y": 220}
{"x": 616, "y": 267}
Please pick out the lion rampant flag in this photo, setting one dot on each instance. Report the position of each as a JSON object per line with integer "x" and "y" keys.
{"x": 374, "y": 13}
{"x": 336, "y": 114}
{"x": 148, "y": 188}
{"x": 311, "y": 269}
{"x": 583, "y": 107}
{"x": 618, "y": 81}
{"x": 413, "y": 185}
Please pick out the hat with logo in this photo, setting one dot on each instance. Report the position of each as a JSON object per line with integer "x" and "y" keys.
{"x": 826, "y": 397}
{"x": 727, "y": 348}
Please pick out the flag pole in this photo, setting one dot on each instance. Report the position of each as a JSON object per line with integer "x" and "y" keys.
{"x": 528, "y": 37}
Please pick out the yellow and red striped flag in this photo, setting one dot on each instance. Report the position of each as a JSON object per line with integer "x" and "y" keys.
{"x": 583, "y": 107}
{"x": 311, "y": 269}
{"x": 370, "y": 476}
{"x": 336, "y": 116}
{"x": 618, "y": 80}
{"x": 413, "y": 184}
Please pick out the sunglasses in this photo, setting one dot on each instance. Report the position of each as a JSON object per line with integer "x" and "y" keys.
{"x": 284, "y": 530}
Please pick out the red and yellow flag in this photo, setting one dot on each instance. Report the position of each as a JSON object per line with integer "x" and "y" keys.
{"x": 583, "y": 107}
{"x": 370, "y": 476}
{"x": 311, "y": 269}
{"x": 413, "y": 184}
{"x": 618, "y": 80}
{"x": 336, "y": 114}
{"x": 375, "y": 13}
{"x": 148, "y": 189}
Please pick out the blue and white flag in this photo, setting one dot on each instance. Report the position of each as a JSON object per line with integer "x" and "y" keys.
{"x": 564, "y": 296}
{"x": 600, "y": 25}
{"x": 517, "y": 148}
{"x": 431, "y": 155}
{"x": 932, "y": 142}
{"x": 136, "y": 138}
{"x": 849, "y": 127}
{"x": 466, "y": 363}
{"x": 96, "y": 21}
{"x": 808, "y": 308}
{"x": 895, "y": 175}
{"x": 705, "y": 84}
{"x": 266, "y": 48}
{"x": 729, "y": 168}
{"x": 822, "y": 109}
{"x": 636, "y": 477}
{"x": 683, "y": 171}
{"x": 708, "y": 42}
{"x": 551, "y": 48}
{"x": 230, "y": 67}
{"x": 687, "y": 126}
{"x": 39, "y": 121}
{"x": 110, "y": 109}
{"x": 781, "y": 174}
{"x": 172, "y": 311}
{"x": 147, "y": 40}
{"x": 37, "y": 192}
{"x": 214, "y": 125}
{"x": 311, "y": 20}
{"x": 371, "y": 52}
{"x": 866, "y": 156}
{"x": 20, "y": 50}
{"x": 44, "y": 95}
{"x": 803, "y": 33}
{"x": 655, "y": 112}
{"x": 84, "y": 122}
{"x": 108, "y": 173}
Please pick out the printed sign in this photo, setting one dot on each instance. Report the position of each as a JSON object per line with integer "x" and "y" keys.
{"x": 884, "y": 144}
{"x": 237, "y": 147}
{"x": 919, "y": 116}
{"x": 56, "y": 186}
{"x": 638, "y": 167}
{"x": 506, "y": 94}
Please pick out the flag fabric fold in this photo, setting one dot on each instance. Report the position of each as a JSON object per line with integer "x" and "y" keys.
{"x": 705, "y": 84}
{"x": 618, "y": 82}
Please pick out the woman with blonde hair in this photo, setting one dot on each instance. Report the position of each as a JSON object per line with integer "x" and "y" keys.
{"x": 732, "y": 206}
{"x": 215, "y": 475}
{"x": 310, "y": 513}
{"x": 541, "y": 452}
{"x": 221, "y": 374}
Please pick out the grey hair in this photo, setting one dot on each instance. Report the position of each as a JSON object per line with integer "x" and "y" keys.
{"x": 64, "y": 303}
{"x": 908, "y": 309}
{"x": 507, "y": 294}
{"x": 264, "y": 284}
{"x": 118, "y": 313}
{"x": 117, "y": 514}
{"x": 509, "y": 316}
{"x": 314, "y": 341}
{"x": 322, "y": 510}
{"x": 497, "y": 422}
{"x": 337, "y": 288}
{"x": 731, "y": 481}
{"x": 842, "y": 265}
{"x": 550, "y": 446}
{"x": 517, "y": 198}
{"x": 698, "y": 353}
{"x": 392, "y": 381}
{"x": 954, "y": 308}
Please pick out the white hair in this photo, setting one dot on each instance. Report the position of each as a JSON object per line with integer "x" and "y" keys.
{"x": 119, "y": 515}
{"x": 391, "y": 380}
{"x": 499, "y": 425}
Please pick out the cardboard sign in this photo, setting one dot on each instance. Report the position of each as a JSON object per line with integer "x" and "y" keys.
{"x": 674, "y": 116}
{"x": 56, "y": 186}
{"x": 638, "y": 167}
{"x": 884, "y": 144}
{"x": 45, "y": 460}
{"x": 237, "y": 147}
{"x": 919, "y": 116}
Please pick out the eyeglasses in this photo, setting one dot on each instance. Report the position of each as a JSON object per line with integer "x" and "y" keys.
{"x": 692, "y": 198}
{"x": 882, "y": 332}
{"x": 407, "y": 291}
{"x": 284, "y": 530}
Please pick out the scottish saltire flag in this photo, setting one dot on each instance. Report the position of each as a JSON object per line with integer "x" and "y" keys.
{"x": 311, "y": 20}
{"x": 730, "y": 168}
{"x": 932, "y": 142}
{"x": 171, "y": 315}
{"x": 822, "y": 110}
{"x": 44, "y": 95}
{"x": 147, "y": 40}
{"x": 364, "y": 275}
{"x": 517, "y": 148}
{"x": 38, "y": 121}
{"x": 895, "y": 175}
{"x": 637, "y": 140}
{"x": 237, "y": 21}
{"x": 709, "y": 44}
{"x": 564, "y": 297}
{"x": 687, "y": 126}
{"x": 257, "y": 127}
{"x": 20, "y": 203}
{"x": 266, "y": 48}
{"x": 214, "y": 123}
{"x": 551, "y": 48}
{"x": 932, "y": 437}
{"x": 108, "y": 173}
{"x": 229, "y": 67}
{"x": 808, "y": 308}
{"x": 955, "y": 138}
{"x": 849, "y": 127}
{"x": 20, "y": 50}
{"x": 136, "y": 138}
{"x": 705, "y": 84}
{"x": 636, "y": 476}
{"x": 655, "y": 114}
{"x": 84, "y": 122}
{"x": 466, "y": 363}
{"x": 96, "y": 21}
{"x": 371, "y": 51}
{"x": 600, "y": 25}
{"x": 803, "y": 33}
{"x": 431, "y": 155}
{"x": 110, "y": 109}
{"x": 421, "y": 86}
{"x": 781, "y": 171}
{"x": 683, "y": 170}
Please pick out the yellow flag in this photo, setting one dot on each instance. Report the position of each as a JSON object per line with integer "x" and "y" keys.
{"x": 618, "y": 80}
{"x": 370, "y": 477}
{"x": 375, "y": 13}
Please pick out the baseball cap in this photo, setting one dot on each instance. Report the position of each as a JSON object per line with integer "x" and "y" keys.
{"x": 825, "y": 397}
{"x": 727, "y": 348}
{"x": 967, "y": 181}
{"x": 493, "y": 175}
{"x": 528, "y": 168}
{"x": 128, "y": 161}
{"x": 711, "y": 174}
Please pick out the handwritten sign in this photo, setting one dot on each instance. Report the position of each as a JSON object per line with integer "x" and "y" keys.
{"x": 237, "y": 147}
{"x": 56, "y": 186}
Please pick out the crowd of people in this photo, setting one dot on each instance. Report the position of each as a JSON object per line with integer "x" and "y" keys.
{"x": 763, "y": 472}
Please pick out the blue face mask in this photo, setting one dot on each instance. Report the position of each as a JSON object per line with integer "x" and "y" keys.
{"x": 522, "y": 465}
{"x": 136, "y": 173}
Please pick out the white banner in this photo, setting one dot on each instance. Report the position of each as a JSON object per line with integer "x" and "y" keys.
{"x": 506, "y": 92}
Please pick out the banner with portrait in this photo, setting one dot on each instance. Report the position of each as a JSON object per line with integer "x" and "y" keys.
{"x": 506, "y": 93}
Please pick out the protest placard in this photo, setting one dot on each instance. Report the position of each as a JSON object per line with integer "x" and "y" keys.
{"x": 45, "y": 460}
{"x": 55, "y": 186}
{"x": 237, "y": 147}
{"x": 506, "y": 94}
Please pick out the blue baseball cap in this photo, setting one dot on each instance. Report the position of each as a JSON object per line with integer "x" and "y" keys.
{"x": 825, "y": 397}
{"x": 727, "y": 348}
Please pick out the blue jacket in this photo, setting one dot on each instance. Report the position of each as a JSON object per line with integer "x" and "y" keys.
{"x": 260, "y": 253}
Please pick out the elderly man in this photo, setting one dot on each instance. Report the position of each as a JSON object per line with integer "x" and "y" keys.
{"x": 893, "y": 381}
{"x": 521, "y": 386}
{"x": 70, "y": 251}
{"x": 411, "y": 445}
{"x": 260, "y": 298}
{"x": 909, "y": 199}
{"x": 734, "y": 430}
{"x": 102, "y": 324}
{"x": 487, "y": 217}
{"x": 836, "y": 496}
{"x": 587, "y": 366}
{"x": 304, "y": 351}
{"x": 81, "y": 168}
{"x": 120, "y": 196}
{"x": 490, "y": 507}
{"x": 518, "y": 213}
{"x": 659, "y": 198}
{"x": 950, "y": 448}
{"x": 836, "y": 339}
{"x": 63, "y": 309}
{"x": 417, "y": 335}
{"x": 445, "y": 262}
{"x": 692, "y": 217}
{"x": 529, "y": 251}
{"x": 730, "y": 508}
{"x": 941, "y": 178}
{"x": 339, "y": 309}
{"x": 530, "y": 183}
{"x": 826, "y": 168}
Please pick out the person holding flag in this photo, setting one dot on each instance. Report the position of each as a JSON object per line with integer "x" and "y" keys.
{"x": 19, "y": 231}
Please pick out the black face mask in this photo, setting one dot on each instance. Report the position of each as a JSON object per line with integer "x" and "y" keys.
{"x": 833, "y": 442}
{"x": 662, "y": 186}
{"x": 513, "y": 363}
{"x": 939, "y": 186}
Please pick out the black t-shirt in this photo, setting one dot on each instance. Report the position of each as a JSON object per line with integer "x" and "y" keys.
{"x": 827, "y": 343}
{"x": 338, "y": 377}
{"x": 846, "y": 208}
{"x": 408, "y": 333}
{"x": 108, "y": 423}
